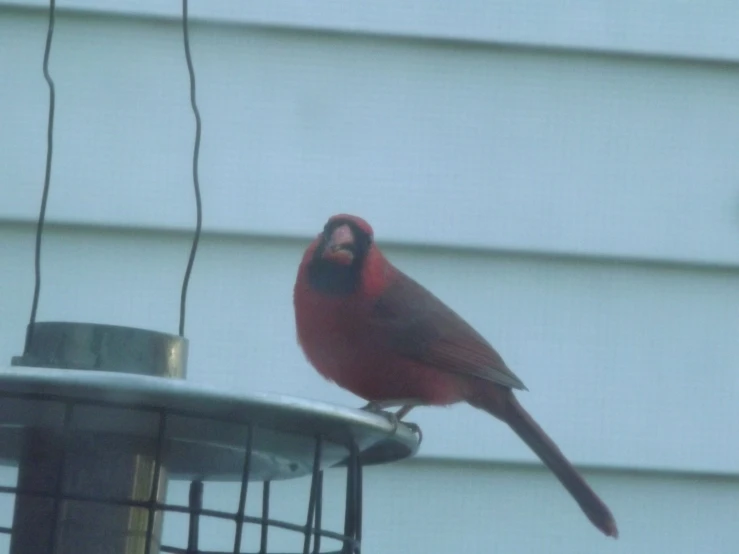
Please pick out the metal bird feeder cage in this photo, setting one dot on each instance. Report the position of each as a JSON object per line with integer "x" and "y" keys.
{"x": 98, "y": 420}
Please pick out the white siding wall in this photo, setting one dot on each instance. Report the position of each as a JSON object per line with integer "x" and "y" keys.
{"x": 581, "y": 208}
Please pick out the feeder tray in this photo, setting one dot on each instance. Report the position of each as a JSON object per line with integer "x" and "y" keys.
{"x": 95, "y": 446}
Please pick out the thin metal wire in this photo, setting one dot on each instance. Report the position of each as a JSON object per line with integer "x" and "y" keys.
{"x": 195, "y": 503}
{"x": 313, "y": 494}
{"x": 59, "y": 488}
{"x": 244, "y": 489}
{"x": 163, "y": 507}
{"x": 154, "y": 495}
{"x": 175, "y": 550}
{"x": 353, "y": 509}
{"x": 319, "y": 516}
{"x": 195, "y": 162}
{"x": 265, "y": 516}
{"x": 47, "y": 175}
{"x": 357, "y": 546}
{"x": 349, "y": 527}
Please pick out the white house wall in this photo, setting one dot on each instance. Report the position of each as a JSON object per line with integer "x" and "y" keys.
{"x": 579, "y": 206}
{"x": 514, "y": 149}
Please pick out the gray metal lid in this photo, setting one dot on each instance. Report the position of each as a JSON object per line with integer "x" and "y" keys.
{"x": 206, "y": 427}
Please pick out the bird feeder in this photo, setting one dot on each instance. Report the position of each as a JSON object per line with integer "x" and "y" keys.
{"x": 98, "y": 419}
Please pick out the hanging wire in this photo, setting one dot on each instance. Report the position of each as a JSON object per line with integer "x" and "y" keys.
{"x": 47, "y": 176}
{"x": 195, "y": 161}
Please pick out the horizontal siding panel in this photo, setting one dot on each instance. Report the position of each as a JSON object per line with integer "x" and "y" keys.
{"x": 693, "y": 29}
{"x": 628, "y": 366}
{"x": 424, "y": 507}
{"x": 512, "y": 150}
{"x": 421, "y": 506}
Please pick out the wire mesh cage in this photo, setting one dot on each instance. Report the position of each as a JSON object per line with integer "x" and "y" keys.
{"x": 96, "y": 447}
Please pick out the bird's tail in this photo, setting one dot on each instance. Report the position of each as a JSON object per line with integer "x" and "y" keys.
{"x": 503, "y": 405}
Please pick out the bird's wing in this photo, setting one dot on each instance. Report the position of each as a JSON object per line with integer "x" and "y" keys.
{"x": 419, "y": 326}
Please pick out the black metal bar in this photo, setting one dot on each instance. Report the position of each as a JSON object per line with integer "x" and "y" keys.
{"x": 313, "y": 494}
{"x": 47, "y": 175}
{"x": 173, "y": 550}
{"x": 195, "y": 504}
{"x": 349, "y": 504}
{"x": 265, "y": 515}
{"x": 319, "y": 516}
{"x": 59, "y": 488}
{"x": 152, "y": 503}
{"x": 359, "y": 501}
{"x": 264, "y": 522}
{"x": 195, "y": 162}
{"x": 244, "y": 488}
{"x": 353, "y": 510}
{"x": 177, "y": 550}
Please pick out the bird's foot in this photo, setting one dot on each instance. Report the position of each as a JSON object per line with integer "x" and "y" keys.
{"x": 377, "y": 408}
{"x": 416, "y": 429}
{"x": 394, "y": 418}
{"x": 374, "y": 407}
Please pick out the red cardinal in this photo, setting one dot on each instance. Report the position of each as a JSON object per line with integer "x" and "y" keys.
{"x": 379, "y": 334}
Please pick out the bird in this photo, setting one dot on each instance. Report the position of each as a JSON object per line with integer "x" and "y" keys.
{"x": 376, "y": 332}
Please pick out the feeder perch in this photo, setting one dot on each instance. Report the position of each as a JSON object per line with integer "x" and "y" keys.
{"x": 99, "y": 418}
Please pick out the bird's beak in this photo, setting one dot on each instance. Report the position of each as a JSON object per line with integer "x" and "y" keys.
{"x": 340, "y": 246}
